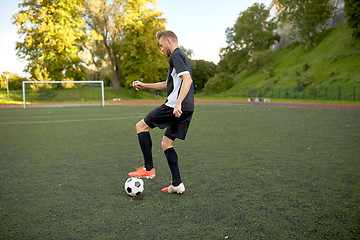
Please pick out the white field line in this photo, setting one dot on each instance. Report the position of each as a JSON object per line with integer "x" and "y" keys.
{"x": 70, "y": 120}
{"x": 59, "y": 116}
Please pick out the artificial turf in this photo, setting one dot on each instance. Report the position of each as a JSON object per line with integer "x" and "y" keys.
{"x": 250, "y": 172}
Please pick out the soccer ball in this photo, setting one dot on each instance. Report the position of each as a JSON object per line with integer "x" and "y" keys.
{"x": 134, "y": 186}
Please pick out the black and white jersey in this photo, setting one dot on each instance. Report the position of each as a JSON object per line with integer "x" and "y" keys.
{"x": 179, "y": 65}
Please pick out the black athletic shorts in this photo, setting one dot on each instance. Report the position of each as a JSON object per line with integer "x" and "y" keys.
{"x": 163, "y": 117}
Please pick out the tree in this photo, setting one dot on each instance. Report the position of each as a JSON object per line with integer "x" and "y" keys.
{"x": 15, "y": 81}
{"x": 97, "y": 69}
{"x": 140, "y": 52}
{"x": 202, "y": 71}
{"x": 118, "y": 27}
{"x": 307, "y": 17}
{"x": 232, "y": 60}
{"x": 253, "y": 31}
{"x": 52, "y": 32}
{"x": 352, "y": 9}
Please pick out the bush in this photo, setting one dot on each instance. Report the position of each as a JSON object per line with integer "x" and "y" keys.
{"x": 304, "y": 83}
{"x": 260, "y": 58}
{"x": 219, "y": 82}
{"x": 306, "y": 66}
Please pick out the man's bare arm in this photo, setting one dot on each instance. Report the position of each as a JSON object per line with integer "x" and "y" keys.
{"x": 156, "y": 86}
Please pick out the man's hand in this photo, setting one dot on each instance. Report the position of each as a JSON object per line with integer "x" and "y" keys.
{"x": 177, "y": 110}
{"x": 137, "y": 85}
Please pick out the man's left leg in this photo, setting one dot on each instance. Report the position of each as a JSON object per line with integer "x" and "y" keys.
{"x": 172, "y": 158}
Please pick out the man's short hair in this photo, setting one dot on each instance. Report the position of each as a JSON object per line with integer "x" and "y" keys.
{"x": 166, "y": 34}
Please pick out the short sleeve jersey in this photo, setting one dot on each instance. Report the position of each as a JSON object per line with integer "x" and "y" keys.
{"x": 179, "y": 65}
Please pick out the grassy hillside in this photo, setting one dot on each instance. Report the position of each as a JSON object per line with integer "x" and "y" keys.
{"x": 334, "y": 62}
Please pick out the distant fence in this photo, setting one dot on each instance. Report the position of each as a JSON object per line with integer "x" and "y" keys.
{"x": 321, "y": 93}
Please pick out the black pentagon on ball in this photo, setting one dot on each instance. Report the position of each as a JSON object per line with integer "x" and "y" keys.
{"x": 137, "y": 184}
{"x": 138, "y": 193}
{"x": 129, "y": 190}
{"x": 129, "y": 180}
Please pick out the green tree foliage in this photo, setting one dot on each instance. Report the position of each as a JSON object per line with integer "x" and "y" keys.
{"x": 220, "y": 82}
{"x": 232, "y": 61}
{"x": 252, "y": 32}
{"x": 307, "y": 17}
{"x": 122, "y": 33}
{"x": 15, "y": 81}
{"x": 140, "y": 52}
{"x": 202, "y": 71}
{"x": 352, "y": 9}
{"x": 52, "y": 31}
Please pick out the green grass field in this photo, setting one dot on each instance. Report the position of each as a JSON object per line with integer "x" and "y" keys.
{"x": 250, "y": 171}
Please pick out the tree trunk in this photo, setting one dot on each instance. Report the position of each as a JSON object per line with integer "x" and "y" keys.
{"x": 115, "y": 69}
{"x": 116, "y": 78}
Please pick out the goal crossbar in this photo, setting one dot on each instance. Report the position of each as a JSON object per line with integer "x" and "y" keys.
{"x": 63, "y": 82}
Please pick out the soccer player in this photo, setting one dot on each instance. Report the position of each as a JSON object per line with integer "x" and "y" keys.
{"x": 174, "y": 115}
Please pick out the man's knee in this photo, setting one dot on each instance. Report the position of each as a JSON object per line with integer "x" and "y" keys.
{"x": 166, "y": 143}
{"x": 141, "y": 126}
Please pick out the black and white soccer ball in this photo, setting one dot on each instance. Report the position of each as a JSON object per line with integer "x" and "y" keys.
{"x": 134, "y": 186}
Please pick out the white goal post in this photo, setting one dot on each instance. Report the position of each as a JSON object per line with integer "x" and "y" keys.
{"x": 101, "y": 83}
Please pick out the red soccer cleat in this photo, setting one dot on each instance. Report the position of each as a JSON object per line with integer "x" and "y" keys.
{"x": 142, "y": 173}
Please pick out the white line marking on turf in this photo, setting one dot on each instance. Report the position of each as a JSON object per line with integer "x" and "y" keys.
{"x": 60, "y": 116}
{"x": 70, "y": 120}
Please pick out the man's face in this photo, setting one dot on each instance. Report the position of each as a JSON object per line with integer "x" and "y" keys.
{"x": 164, "y": 46}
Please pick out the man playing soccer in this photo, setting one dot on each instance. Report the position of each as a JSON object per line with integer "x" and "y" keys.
{"x": 174, "y": 115}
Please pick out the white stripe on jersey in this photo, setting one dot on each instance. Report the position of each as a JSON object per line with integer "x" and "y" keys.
{"x": 177, "y": 80}
{"x": 183, "y": 73}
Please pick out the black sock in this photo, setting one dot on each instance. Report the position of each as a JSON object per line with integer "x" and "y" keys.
{"x": 146, "y": 145}
{"x": 172, "y": 159}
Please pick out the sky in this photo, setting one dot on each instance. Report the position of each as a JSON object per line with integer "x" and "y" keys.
{"x": 199, "y": 24}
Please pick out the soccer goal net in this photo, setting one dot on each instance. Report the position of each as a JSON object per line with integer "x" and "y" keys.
{"x": 63, "y": 93}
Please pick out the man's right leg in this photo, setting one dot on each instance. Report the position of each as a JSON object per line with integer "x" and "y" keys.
{"x": 143, "y": 131}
